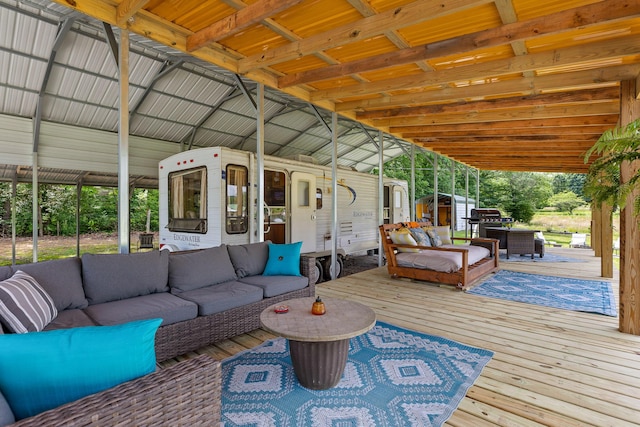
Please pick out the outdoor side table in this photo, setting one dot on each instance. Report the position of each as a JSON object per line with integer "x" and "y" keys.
{"x": 319, "y": 344}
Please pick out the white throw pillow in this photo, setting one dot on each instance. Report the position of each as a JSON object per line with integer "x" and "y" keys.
{"x": 403, "y": 237}
{"x": 444, "y": 233}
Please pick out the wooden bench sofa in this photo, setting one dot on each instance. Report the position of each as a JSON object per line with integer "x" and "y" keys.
{"x": 462, "y": 278}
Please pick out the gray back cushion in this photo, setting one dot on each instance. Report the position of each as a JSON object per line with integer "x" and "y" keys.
{"x": 249, "y": 260}
{"x": 195, "y": 270}
{"x": 5, "y": 272}
{"x": 61, "y": 279}
{"x": 114, "y": 277}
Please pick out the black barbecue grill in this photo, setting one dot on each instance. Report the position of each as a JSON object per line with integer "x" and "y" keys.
{"x": 485, "y": 217}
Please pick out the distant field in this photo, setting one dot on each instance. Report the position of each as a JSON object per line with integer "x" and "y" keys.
{"x": 558, "y": 226}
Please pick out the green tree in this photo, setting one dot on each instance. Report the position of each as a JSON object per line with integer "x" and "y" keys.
{"x": 566, "y": 201}
{"x": 560, "y": 183}
{"x": 517, "y": 194}
{"x": 576, "y": 183}
{"x": 57, "y": 207}
{"x": 400, "y": 168}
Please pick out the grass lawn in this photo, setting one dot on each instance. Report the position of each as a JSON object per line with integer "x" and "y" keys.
{"x": 52, "y": 247}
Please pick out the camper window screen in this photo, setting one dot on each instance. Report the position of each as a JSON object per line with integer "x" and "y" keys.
{"x": 188, "y": 201}
{"x": 237, "y": 200}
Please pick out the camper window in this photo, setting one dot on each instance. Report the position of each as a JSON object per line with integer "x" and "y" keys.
{"x": 188, "y": 201}
{"x": 237, "y": 200}
{"x": 318, "y": 198}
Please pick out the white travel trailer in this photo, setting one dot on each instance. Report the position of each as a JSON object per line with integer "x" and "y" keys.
{"x": 208, "y": 197}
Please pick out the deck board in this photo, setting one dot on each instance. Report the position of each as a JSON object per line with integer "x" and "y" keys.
{"x": 550, "y": 366}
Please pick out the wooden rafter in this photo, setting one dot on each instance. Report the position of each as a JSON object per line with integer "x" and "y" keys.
{"x": 579, "y": 97}
{"x": 604, "y": 50}
{"x": 237, "y": 22}
{"x": 518, "y": 31}
{"x": 403, "y": 16}
{"x": 525, "y": 85}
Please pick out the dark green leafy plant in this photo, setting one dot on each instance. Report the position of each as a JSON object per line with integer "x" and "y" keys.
{"x": 615, "y": 146}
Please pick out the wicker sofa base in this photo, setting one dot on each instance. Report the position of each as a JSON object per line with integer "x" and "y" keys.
{"x": 183, "y": 337}
{"x": 187, "y": 393}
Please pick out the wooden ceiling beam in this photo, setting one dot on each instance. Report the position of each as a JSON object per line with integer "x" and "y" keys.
{"x": 463, "y": 135}
{"x": 558, "y": 168}
{"x": 393, "y": 19}
{"x": 237, "y": 22}
{"x": 503, "y": 144}
{"x": 126, "y": 9}
{"x": 576, "y": 97}
{"x": 559, "y": 161}
{"x": 508, "y": 151}
{"x": 520, "y": 86}
{"x": 516, "y": 139}
{"x": 554, "y": 123}
{"x": 597, "y": 13}
{"x": 533, "y": 161}
{"x": 504, "y": 115}
{"x": 499, "y": 146}
{"x": 614, "y": 49}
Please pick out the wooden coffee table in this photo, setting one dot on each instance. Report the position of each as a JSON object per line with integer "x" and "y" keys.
{"x": 319, "y": 345}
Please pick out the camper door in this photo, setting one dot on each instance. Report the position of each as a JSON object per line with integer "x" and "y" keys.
{"x": 394, "y": 208}
{"x": 303, "y": 210}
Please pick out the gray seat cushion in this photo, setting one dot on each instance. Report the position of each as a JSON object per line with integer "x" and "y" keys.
{"x": 114, "y": 277}
{"x": 276, "y": 285}
{"x": 6, "y": 413}
{"x": 162, "y": 305}
{"x": 74, "y": 318}
{"x": 198, "y": 269}
{"x": 249, "y": 259}
{"x": 61, "y": 279}
{"x": 223, "y": 296}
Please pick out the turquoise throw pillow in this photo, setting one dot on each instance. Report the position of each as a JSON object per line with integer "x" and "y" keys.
{"x": 284, "y": 260}
{"x": 43, "y": 370}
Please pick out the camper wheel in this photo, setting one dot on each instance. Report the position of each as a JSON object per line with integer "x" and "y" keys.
{"x": 327, "y": 267}
{"x": 319, "y": 271}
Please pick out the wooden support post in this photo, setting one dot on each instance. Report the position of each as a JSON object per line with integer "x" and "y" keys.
{"x": 606, "y": 241}
{"x": 596, "y": 230}
{"x": 629, "y": 319}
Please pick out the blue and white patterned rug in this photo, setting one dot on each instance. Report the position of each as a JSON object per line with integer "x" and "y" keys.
{"x": 548, "y": 257}
{"x": 591, "y": 296}
{"x": 394, "y": 377}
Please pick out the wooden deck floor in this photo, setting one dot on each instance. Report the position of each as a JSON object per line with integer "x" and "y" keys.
{"x": 550, "y": 367}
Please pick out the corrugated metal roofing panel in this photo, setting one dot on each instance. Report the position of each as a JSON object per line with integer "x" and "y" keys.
{"x": 83, "y": 88}
{"x": 160, "y": 129}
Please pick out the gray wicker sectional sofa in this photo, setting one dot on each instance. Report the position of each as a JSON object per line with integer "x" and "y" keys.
{"x": 202, "y": 296}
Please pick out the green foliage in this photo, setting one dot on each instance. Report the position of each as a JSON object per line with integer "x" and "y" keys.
{"x": 616, "y": 146}
{"x": 573, "y": 182}
{"x": 400, "y": 168}
{"x": 566, "y": 201}
{"x": 98, "y": 209}
{"x": 518, "y": 194}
